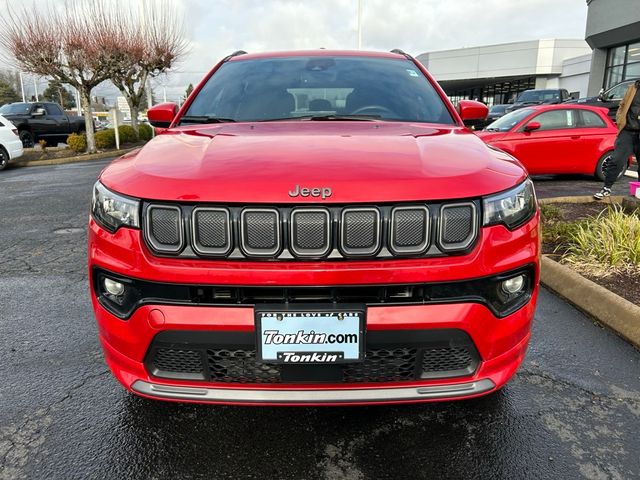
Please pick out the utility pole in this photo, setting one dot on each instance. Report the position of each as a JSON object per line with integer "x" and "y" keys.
{"x": 35, "y": 87}
{"x": 359, "y": 24}
{"x": 22, "y": 88}
{"x": 143, "y": 21}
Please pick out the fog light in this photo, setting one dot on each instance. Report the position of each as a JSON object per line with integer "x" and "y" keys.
{"x": 513, "y": 285}
{"x": 113, "y": 288}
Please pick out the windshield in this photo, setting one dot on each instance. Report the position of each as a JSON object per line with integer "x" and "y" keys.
{"x": 508, "y": 121}
{"x": 539, "y": 96}
{"x": 319, "y": 86}
{"x": 15, "y": 108}
{"x": 497, "y": 109}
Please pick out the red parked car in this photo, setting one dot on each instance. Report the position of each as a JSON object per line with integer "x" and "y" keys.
{"x": 554, "y": 139}
{"x": 314, "y": 228}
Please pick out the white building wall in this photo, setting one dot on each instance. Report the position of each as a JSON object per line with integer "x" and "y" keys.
{"x": 536, "y": 57}
{"x": 575, "y": 74}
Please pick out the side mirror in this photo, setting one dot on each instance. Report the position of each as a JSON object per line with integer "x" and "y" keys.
{"x": 470, "y": 110}
{"x": 601, "y": 95}
{"x": 531, "y": 126}
{"x": 162, "y": 115}
{"x": 38, "y": 112}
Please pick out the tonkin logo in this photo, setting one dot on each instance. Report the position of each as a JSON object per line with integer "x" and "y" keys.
{"x": 324, "y": 192}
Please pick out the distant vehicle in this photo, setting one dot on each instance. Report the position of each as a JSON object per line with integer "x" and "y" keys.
{"x": 609, "y": 99}
{"x": 547, "y": 96}
{"x": 554, "y": 139}
{"x": 41, "y": 120}
{"x": 495, "y": 112}
{"x": 10, "y": 144}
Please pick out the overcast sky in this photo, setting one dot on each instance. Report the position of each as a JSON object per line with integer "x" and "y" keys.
{"x": 216, "y": 28}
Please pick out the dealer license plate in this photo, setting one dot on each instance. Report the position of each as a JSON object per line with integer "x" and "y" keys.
{"x": 310, "y": 336}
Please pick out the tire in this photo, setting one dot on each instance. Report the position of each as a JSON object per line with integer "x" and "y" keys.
{"x": 606, "y": 157}
{"x": 27, "y": 138}
{"x": 4, "y": 158}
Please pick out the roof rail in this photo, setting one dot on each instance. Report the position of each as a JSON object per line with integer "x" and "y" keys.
{"x": 234, "y": 54}
{"x": 400, "y": 52}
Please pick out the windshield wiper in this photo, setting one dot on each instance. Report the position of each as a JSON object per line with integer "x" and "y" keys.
{"x": 329, "y": 117}
{"x": 204, "y": 119}
{"x": 492, "y": 129}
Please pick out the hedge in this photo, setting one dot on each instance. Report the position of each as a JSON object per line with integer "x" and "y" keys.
{"x": 77, "y": 142}
{"x": 105, "y": 139}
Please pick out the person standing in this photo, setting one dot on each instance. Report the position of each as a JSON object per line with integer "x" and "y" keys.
{"x": 627, "y": 141}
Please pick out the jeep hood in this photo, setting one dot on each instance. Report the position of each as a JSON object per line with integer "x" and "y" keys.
{"x": 359, "y": 161}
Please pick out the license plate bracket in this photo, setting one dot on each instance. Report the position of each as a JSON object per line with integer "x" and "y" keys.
{"x": 315, "y": 334}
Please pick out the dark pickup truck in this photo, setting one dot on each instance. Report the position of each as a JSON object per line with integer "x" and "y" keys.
{"x": 547, "y": 96}
{"x": 41, "y": 121}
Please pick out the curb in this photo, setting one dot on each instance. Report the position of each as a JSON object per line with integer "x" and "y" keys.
{"x": 617, "y": 313}
{"x": 77, "y": 158}
{"x": 582, "y": 199}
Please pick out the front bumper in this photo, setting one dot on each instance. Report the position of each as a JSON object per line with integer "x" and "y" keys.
{"x": 500, "y": 342}
{"x": 315, "y": 396}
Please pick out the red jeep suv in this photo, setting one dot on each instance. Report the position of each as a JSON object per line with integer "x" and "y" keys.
{"x": 316, "y": 228}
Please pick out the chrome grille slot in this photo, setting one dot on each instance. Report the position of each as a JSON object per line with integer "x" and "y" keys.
{"x": 260, "y": 231}
{"x": 409, "y": 230}
{"x": 458, "y": 226}
{"x": 360, "y": 232}
{"x": 211, "y": 231}
{"x": 310, "y": 232}
{"x": 164, "y": 229}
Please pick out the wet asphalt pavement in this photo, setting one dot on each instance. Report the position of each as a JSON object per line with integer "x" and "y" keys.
{"x": 572, "y": 411}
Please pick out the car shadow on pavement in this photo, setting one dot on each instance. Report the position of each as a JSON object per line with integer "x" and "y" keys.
{"x": 308, "y": 442}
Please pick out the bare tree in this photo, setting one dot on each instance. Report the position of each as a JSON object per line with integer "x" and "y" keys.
{"x": 74, "y": 43}
{"x": 152, "y": 41}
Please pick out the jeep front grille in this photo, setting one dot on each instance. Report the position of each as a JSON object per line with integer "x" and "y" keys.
{"x": 311, "y": 232}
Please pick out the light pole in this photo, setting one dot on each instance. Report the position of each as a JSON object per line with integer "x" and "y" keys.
{"x": 35, "y": 87}
{"x": 359, "y": 24}
{"x": 24, "y": 99}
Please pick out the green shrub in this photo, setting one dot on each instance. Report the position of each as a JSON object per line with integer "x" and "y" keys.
{"x": 550, "y": 212}
{"x": 608, "y": 242}
{"x": 558, "y": 232}
{"x": 145, "y": 131}
{"x": 106, "y": 138}
{"x": 77, "y": 142}
{"x": 127, "y": 134}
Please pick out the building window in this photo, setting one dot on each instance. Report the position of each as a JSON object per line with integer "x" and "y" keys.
{"x": 623, "y": 63}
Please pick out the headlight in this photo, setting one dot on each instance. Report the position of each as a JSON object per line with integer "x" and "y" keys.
{"x": 113, "y": 211}
{"x": 512, "y": 208}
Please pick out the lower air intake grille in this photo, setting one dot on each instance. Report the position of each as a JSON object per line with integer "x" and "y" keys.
{"x": 383, "y": 365}
{"x": 240, "y": 366}
{"x": 237, "y": 363}
{"x": 439, "y": 361}
{"x": 176, "y": 363}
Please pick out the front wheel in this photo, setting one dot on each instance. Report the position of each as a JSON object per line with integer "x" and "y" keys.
{"x": 4, "y": 158}
{"x": 601, "y": 167}
{"x": 26, "y": 137}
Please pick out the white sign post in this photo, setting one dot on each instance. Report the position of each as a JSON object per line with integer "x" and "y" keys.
{"x": 115, "y": 114}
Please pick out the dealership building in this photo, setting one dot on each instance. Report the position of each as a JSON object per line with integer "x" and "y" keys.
{"x": 498, "y": 73}
{"x": 613, "y": 31}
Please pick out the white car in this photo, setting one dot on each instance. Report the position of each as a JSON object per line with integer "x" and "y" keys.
{"x": 10, "y": 143}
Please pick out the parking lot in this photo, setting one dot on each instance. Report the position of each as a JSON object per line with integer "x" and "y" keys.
{"x": 572, "y": 411}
